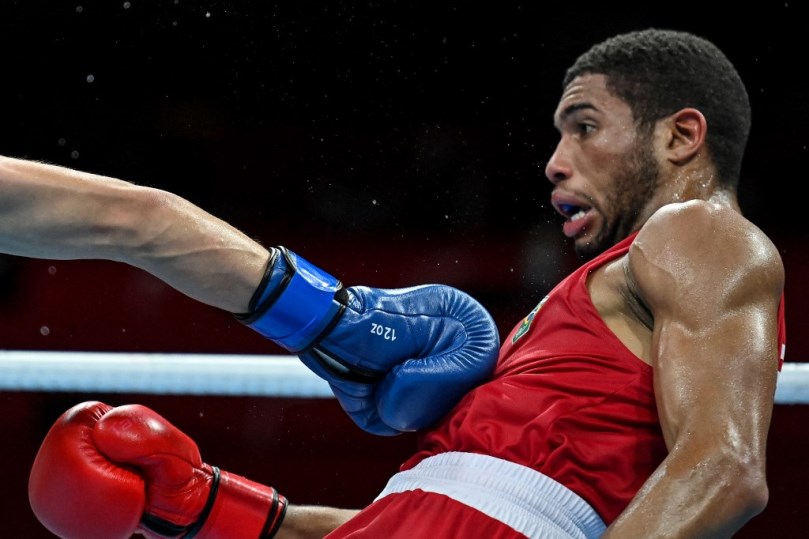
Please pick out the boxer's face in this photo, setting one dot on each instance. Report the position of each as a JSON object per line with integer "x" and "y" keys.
{"x": 604, "y": 169}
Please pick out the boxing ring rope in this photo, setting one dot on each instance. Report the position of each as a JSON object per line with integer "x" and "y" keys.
{"x": 157, "y": 373}
{"x": 216, "y": 374}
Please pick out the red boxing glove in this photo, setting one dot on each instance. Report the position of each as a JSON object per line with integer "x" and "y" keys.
{"x": 107, "y": 473}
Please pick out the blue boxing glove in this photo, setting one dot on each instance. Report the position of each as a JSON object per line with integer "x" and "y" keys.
{"x": 397, "y": 360}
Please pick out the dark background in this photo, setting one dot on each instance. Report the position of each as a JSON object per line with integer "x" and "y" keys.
{"x": 391, "y": 143}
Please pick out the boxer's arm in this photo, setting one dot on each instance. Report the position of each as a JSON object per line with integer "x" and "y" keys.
{"x": 714, "y": 298}
{"x": 48, "y": 211}
{"x": 311, "y": 521}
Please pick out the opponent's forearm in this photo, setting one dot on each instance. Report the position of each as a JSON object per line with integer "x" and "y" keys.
{"x": 48, "y": 211}
{"x": 310, "y": 522}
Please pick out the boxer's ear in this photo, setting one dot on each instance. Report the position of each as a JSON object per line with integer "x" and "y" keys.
{"x": 684, "y": 135}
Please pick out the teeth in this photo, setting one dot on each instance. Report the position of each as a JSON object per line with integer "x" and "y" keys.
{"x": 578, "y": 215}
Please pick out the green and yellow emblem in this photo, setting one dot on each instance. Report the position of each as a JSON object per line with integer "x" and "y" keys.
{"x": 525, "y": 325}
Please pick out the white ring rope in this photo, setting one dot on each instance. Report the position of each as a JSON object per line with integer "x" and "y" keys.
{"x": 168, "y": 374}
{"x": 216, "y": 374}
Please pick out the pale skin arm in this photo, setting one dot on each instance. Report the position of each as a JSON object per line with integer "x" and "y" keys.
{"x": 52, "y": 212}
{"x": 712, "y": 282}
{"x": 312, "y": 522}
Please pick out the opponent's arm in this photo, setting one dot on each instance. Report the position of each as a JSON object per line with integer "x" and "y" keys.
{"x": 714, "y": 298}
{"x": 312, "y": 521}
{"x": 397, "y": 360}
{"x": 48, "y": 211}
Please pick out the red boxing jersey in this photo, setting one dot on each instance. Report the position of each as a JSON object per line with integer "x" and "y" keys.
{"x": 567, "y": 399}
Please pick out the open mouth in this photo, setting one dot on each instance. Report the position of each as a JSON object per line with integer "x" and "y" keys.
{"x": 578, "y": 217}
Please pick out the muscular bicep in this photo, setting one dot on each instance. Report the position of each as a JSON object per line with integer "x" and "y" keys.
{"x": 714, "y": 299}
{"x": 716, "y": 379}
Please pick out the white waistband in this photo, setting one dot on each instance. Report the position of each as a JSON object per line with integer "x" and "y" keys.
{"x": 520, "y": 497}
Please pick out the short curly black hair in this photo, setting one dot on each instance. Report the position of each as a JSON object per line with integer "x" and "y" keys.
{"x": 658, "y": 72}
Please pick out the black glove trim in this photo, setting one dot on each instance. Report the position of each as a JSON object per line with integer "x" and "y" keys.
{"x": 206, "y": 511}
{"x": 341, "y": 298}
{"x": 274, "y": 518}
{"x": 338, "y": 367}
{"x": 341, "y": 369}
{"x": 256, "y": 307}
{"x": 161, "y": 526}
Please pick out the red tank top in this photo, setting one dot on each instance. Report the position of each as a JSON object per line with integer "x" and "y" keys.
{"x": 567, "y": 399}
